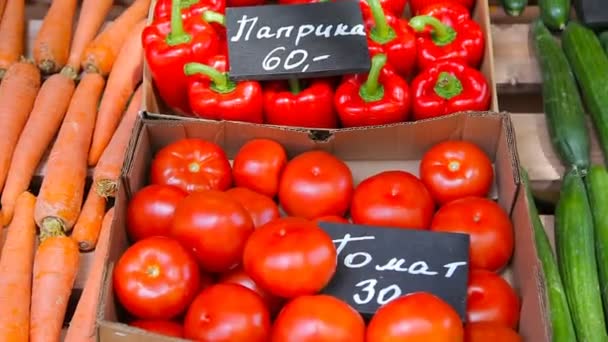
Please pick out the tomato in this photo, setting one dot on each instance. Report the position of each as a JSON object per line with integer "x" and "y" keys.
{"x": 239, "y": 276}
{"x": 331, "y": 218}
{"x": 315, "y": 184}
{"x": 489, "y": 228}
{"x": 258, "y": 166}
{"x": 215, "y": 226}
{"x": 156, "y": 278}
{"x": 392, "y": 199}
{"x": 261, "y": 208}
{"x": 491, "y": 299}
{"x": 192, "y": 165}
{"x": 456, "y": 169}
{"x": 227, "y": 312}
{"x": 487, "y": 331}
{"x": 290, "y": 257}
{"x": 151, "y": 210}
{"x": 333, "y": 321}
{"x": 167, "y": 328}
{"x": 416, "y": 317}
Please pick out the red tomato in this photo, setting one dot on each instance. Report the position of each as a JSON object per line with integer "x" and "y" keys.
{"x": 491, "y": 299}
{"x": 261, "y": 208}
{"x": 290, "y": 257}
{"x": 227, "y": 312}
{"x": 192, "y": 165}
{"x": 456, "y": 169}
{"x": 333, "y": 321}
{"x": 156, "y": 278}
{"x": 239, "y": 276}
{"x": 167, "y": 328}
{"x": 392, "y": 199}
{"x": 416, "y": 317}
{"x": 331, "y": 218}
{"x": 487, "y": 331}
{"x": 489, "y": 228}
{"x": 258, "y": 166}
{"x": 215, "y": 226}
{"x": 315, "y": 184}
{"x": 151, "y": 209}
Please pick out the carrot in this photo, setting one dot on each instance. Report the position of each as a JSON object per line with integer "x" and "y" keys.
{"x": 92, "y": 15}
{"x": 55, "y": 269}
{"x": 107, "y": 171}
{"x": 124, "y": 78}
{"x": 12, "y": 29}
{"x": 100, "y": 55}
{"x": 82, "y": 326}
{"x": 52, "y": 43}
{"x": 16, "y": 272}
{"x": 41, "y": 127}
{"x": 86, "y": 229}
{"x": 17, "y": 95}
{"x": 2, "y": 4}
{"x": 62, "y": 189}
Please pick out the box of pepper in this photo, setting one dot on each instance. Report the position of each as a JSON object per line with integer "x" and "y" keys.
{"x": 431, "y": 63}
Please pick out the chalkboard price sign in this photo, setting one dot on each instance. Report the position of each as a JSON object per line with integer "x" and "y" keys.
{"x": 377, "y": 265}
{"x": 304, "y": 40}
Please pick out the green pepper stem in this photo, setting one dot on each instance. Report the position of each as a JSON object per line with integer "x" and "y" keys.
{"x": 220, "y": 81}
{"x": 187, "y": 3}
{"x": 441, "y": 33}
{"x": 372, "y": 90}
{"x": 294, "y": 86}
{"x": 177, "y": 35}
{"x": 447, "y": 85}
{"x": 382, "y": 32}
{"x": 323, "y": 0}
{"x": 214, "y": 17}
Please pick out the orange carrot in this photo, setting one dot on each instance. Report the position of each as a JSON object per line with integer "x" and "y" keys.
{"x": 2, "y": 4}
{"x": 52, "y": 44}
{"x": 41, "y": 127}
{"x": 124, "y": 78}
{"x": 16, "y": 272}
{"x": 12, "y": 29}
{"x": 100, "y": 55}
{"x": 107, "y": 171}
{"x": 62, "y": 189}
{"x": 86, "y": 229}
{"x": 82, "y": 326}
{"x": 17, "y": 95}
{"x": 92, "y": 15}
{"x": 55, "y": 269}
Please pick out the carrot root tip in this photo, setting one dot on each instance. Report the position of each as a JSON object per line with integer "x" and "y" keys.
{"x": 69, "y": 72}
{"x": 46, "y": 66}
{"x": 2, "y": 72}
{"x": 50, "y": 227}
{"x": 85, "y": 246}
{"x": 90, "y": 68}
{"x": 106, "y": 187}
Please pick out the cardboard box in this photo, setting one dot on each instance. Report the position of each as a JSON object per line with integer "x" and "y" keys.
{"x": 366, "y": 151}
{"x": 155, "y": 108}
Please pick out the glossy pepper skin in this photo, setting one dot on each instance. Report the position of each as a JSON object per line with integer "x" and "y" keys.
{"x": 290, "y": 104}
{"x": 393, "y": 7}
{"x": 449, "y": 87}
{"x": 392, "y": 36}
{"x": 416, "y": 6}
{"x": 446, "y": 31}
{"x": 214, "y": 96}
{"x": 189, "y": 8}
{"x": 170, "y": 44}
{"x": 378, "y": 98}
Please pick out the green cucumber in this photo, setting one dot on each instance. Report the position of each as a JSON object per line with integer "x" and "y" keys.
{"x": 554, "y": 13}
{"x": 590, "y": 66}
{"x": 597, "y": 186}
{"x": 574, "y": 243}
{"x": 561, "y": 100}
{"x": 604, "y": 40}
{"x": 562, "y": 329}
{"x": 514, "y": 8}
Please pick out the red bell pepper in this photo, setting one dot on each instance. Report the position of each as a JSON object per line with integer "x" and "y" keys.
{"x": 288, "y": 104}
{"x": 416, "y": 6}
{"x": 392, "y": 36}
{"x": 393, "y": 7}
{"x": 162, "y": 9}
{"x": 449, "y": 87}
{"x": 214, "y": 96}
{"x": 169, "y": 44}
{"x": 378, "y": 98}
{"x": 452, "y": 35}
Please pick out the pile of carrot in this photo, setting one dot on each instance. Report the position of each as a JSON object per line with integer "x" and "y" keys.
{"x": 75, "y": 100}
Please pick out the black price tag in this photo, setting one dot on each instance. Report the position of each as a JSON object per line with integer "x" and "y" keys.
{"x": 377, "y": 265}
{"x": 305, "y": 40}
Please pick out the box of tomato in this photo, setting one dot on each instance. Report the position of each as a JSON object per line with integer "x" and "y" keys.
{"x": 203, "y": 206}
